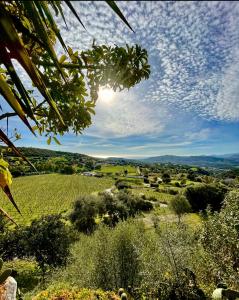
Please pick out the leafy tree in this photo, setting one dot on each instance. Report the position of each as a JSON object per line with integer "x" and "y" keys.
{"x": 84, "y": 214}
{"x": 201, "y": 196}
{"x": 180, "y": 205}
{"x": 48, "y": 240}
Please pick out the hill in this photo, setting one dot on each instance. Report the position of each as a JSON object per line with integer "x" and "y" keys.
{"x": 226, "y": 161}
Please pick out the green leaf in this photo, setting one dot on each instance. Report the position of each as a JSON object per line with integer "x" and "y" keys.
{"x": 116, "y": 9}
{"x": 56, "y": 140}
{"x": 68, "y": 3}
{"x": 91, "y": 110}
{"x": 34, "y": 128}
{"x": 62, "y": 58}
{"x": 48, "y": 140}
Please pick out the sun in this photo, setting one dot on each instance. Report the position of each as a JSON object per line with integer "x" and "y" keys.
{"x": 106, "y": 95}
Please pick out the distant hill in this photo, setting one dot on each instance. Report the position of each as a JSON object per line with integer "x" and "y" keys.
{"x": 224, "y": 161}
{"x": 32, "y": 153}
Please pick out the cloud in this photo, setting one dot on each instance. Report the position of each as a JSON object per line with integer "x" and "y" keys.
{"x": 125, "y": 116}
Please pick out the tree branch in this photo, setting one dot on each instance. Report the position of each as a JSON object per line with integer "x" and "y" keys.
{"x": 7, "y": 115}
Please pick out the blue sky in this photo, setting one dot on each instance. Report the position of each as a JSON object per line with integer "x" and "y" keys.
{"x": 190, "y": 104}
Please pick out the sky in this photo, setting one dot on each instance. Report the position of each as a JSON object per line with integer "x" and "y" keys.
{"x": 190, "y": 103}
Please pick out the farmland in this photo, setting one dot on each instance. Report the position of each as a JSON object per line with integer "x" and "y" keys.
{"x": 47, "y": 194}
{"x": 118, "y": 169}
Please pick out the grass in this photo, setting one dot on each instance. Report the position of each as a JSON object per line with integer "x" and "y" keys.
{"x": 162, "y": 197}
{"x": 47, "y": 194}
{"x": 117, "y": 169}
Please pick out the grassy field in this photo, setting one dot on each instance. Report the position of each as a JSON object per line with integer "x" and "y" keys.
{"x": 162, "y": 197}
{"x": 52, "y": 193}
{"x": 117, "y": 169}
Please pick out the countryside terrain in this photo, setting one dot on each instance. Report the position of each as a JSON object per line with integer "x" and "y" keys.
{"x": 134, "y": 197}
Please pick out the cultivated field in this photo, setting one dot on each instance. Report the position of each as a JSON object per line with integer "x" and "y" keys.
{"x": 117, "y": 169}
{"x": 52, "y": 193}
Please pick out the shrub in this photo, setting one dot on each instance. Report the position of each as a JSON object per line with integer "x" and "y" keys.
{"x": 121, "y": 185}
{"x": 166, "y": 178}
{"x": 154, "y": 184}
{"x": 202, "y": 196}
{"x": 220, "y": 238}
{"x": 76, "y": 294}
{"x": 172, "y": 192}
{"x": 68, "y": 170}
{"x": 177, "y": 184}
{"x": 84, "y": 214}
{"x": 48, "y": 241}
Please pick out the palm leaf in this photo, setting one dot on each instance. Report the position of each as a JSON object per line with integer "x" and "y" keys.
{"x": 12, "y": 100}
{"x": 4, "y": 56}
{"x": 37, "y": 16}
{"x": 7, "y": 215}
{"x": 68, "y": 3}
{"x": 116, "y": 9}
{"x": 9, "y": 36}
{"x": 10, "y": 197}
{"x": 52, "y": 23}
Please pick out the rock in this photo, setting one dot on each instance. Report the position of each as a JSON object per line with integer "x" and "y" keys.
{"x": 8, "y": 290}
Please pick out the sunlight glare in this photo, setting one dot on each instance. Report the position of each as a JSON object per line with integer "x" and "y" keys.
{"x": 106, "y": 95}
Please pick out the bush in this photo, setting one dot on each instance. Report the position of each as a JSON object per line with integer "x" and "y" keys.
{"x": 68, "y": 170}
{"x": 121, "y": 185}
{"x": 84, "y": 214}
{"x": 154, "y": 184}
{"x": 177, "y": 184}
{"x": 202, "y": 196}
{"x": 76, "y": 294}
{"x": 48, "y": 240}
{"x": 166, "y": 178}
{"x": 220, "y": 238}
{"x": 172, "y": 192}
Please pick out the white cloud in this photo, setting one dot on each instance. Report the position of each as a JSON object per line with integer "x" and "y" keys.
{"x": 126, "y": 116}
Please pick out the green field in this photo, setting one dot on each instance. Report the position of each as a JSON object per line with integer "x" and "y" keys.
{"x": 46, "y": 194}
{"x": 117, "y": 169}
{"x": 162, "y": 197}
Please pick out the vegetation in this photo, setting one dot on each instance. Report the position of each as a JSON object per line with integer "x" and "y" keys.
{"x": 202, "y": 196}
{"x": 180, "y": 206}
{"x": 109, "y": 208}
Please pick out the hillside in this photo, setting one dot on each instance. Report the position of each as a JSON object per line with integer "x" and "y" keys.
{"x": 201, "y": 161}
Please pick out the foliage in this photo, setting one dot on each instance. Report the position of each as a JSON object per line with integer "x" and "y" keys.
{"x": 84, "y": 213}
{"x": 166, "y": 178}
{"x": 180, "y": 206}
{"x": 68, "y": 170}
{"x": 220, "y": 238}
{"x": 4, "y": 274}
{"x": 110, "y": 208}
{"x": 48, "y": 241}
{"x": 29, "y": 34}
{"x": 76, "y": 294}
{"x": 149, "y": 261}
{"x": 201, "y": 196}
{"x": 28, "y": 275}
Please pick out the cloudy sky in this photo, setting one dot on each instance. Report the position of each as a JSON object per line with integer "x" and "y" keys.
{"x": 190, "y": 104}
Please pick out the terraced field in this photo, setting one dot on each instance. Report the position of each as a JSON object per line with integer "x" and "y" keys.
{"x": 52, "y": 193}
